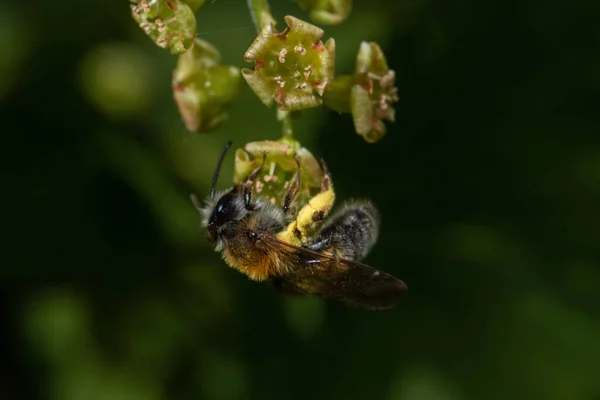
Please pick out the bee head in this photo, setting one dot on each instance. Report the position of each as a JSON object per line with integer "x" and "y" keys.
{"x": 223, "y": 209}
{"x": 223, "y": 212}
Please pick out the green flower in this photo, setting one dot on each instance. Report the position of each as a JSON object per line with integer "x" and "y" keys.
{"x": 279, "y": 169}
{"x": 327, "y": 12}
{"x": 292, "y": 67}
{"x": 170, "y": 23}
{"x": 369, "y": 94}
{"x": 202, "y": 88}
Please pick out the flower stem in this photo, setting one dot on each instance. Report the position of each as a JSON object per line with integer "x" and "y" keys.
{"x": 285, "y": 116}
{"x": 287, "y": 130}
{"x": 261, "y": 13}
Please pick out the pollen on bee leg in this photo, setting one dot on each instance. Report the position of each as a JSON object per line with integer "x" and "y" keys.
{"x": 318, "y": 216}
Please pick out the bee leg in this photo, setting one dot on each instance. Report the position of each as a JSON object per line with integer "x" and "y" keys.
{"x": 326, "y": 180}
{"x": 294, "y": 190}
{"x": 320, "y": 244}
{"x": 249, "y": 182}
{"x": 351, "y": 233}
{"x": 311, "y": 216}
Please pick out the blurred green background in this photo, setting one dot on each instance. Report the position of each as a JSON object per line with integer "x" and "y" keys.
{"x": 489, "y": 186}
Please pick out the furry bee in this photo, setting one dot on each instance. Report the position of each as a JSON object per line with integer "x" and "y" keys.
{"x": 301, "y": 252}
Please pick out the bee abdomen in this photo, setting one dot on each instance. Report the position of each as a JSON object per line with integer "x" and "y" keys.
{"x": 351, "y": 233}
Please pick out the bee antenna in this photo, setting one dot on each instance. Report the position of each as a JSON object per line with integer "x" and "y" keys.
{"x": 216, "y": 174}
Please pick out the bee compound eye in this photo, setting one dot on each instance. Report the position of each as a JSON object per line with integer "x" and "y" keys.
{"x": 223, "y": 211}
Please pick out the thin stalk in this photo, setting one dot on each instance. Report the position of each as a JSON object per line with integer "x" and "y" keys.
{"x": 285, "y": 117}
{"x": 261, "y": 13}
{"x": 287, "y": 130}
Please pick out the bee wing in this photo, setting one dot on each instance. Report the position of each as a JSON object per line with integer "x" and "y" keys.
{"x": 338, "y": 279}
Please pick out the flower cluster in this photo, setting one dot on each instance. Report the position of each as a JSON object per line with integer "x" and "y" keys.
{"x": 296, "y": 70}
{"x": 279, "y": 170}
{"x": 291, "y": 67}
{"x": 374, "y": 93}
{"x": 369, "y": 94}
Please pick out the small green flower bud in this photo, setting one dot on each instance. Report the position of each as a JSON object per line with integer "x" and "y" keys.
{"x": 279, "y": 169}
{"x": 170, "y": 23}
{"x": 369, "y": 94}
{"x": 327, "y": 12}
{"x": 202, "y": 88}
{"x": 292, "y": 67}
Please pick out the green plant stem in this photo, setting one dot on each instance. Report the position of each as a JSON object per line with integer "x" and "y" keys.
{"x": 261, "y": 13}
{"x": 285, "y": 117}
{"x": 287, "y": 130}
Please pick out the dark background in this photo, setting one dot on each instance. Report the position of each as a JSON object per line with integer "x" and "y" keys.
{"x": 489, "y": 186}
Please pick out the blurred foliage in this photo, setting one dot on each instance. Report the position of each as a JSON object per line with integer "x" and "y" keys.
{"x": 488, "y": 183}
{"x": 118, "y": 79}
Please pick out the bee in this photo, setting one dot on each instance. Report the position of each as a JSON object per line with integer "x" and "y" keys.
{"x": 304, "y": 252}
